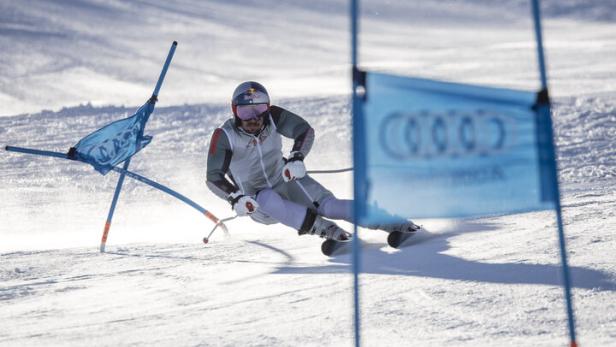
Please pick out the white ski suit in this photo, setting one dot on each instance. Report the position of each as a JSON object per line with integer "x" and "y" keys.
{"x": 254, "y": 164}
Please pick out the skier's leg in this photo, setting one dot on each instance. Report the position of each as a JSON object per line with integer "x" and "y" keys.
{"x": 393, "y": 222}
{"x": 332, "y": 207}
{"x": 312, "y": 194}
{"x": 306, "y": 191}
{"x": 273, "y": 206}
{"x": 309, "y": 192}
{"x": 294, "y": 215}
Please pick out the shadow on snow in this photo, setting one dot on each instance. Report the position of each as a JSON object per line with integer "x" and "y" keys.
{"x": 428, "y": 260}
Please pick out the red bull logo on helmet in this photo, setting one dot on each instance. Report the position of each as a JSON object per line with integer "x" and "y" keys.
{"x": 249, "y": 93}
{"x": 253, "y": 96}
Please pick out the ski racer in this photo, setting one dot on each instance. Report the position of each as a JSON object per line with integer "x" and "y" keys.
{"x": 261, "y": 182}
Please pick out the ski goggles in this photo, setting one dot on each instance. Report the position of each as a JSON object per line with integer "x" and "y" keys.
{"x": 248, "y": 112}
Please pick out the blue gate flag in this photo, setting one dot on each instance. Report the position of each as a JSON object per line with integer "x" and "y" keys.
{"x": 115, "y": 142}
{"x": 444, "y": 150}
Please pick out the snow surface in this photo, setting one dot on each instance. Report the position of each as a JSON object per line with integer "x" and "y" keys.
{"x": 71, "y": 67}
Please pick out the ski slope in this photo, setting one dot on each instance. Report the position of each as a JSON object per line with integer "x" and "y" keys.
{"x": 479, "y": 282}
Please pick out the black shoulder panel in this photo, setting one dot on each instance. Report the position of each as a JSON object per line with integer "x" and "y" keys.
{"x": 276, "y": 112}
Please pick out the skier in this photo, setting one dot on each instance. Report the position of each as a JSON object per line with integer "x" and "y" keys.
{"x": 266, "y": 186}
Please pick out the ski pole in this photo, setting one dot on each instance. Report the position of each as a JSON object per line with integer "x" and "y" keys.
{"x": 221, "y": 223}
{"x": 329, "y": 171}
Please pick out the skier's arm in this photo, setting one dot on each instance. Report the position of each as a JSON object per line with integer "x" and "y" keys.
{"x": 218, "y": 160}
{"x": 295, "y": 127}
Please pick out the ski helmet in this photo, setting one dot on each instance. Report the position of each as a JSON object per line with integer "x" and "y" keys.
{"x": 249, "y": 93}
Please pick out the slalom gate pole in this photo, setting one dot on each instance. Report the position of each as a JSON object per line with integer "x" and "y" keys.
{"x": 358, "y": 162}
{"x": 118, "y": 188}
{"x": 114, "y": 201}
{"x": 539, "y": 39}
{"x": 556, "y": 189}
{"x": 164, "y": 70}
{"x": 36, "y": 152}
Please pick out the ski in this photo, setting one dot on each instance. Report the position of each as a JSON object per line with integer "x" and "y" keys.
{"x": 332, "y": 247}
{"x": 397, "y": 239}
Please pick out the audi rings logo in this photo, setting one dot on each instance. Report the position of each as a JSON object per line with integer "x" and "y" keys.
{"x": 455, "y": 133}
{"x": 109, "y": 150}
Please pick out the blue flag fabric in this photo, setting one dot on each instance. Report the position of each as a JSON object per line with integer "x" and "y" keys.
{"x": 115, "y": 142}
{"x": 437, "y": 150}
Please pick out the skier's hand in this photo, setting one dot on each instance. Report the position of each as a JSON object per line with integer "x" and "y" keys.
{"x": 243, "y": 204}
{"x": 294, "y": 167}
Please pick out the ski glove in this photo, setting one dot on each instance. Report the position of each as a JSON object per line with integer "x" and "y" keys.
{"x": 294, "y": 167}
{"x": 243, "y": 204}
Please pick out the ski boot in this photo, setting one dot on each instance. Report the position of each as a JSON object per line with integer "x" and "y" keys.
{"x": 337, "y": 240}
{"x": 404, "y": 227}
{"x": 327, "y": 229}
{"x": 398, "y": 232}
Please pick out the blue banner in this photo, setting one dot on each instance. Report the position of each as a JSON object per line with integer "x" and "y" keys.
{"x": 435, "y": 149}
{"x": 115, "y": 142}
